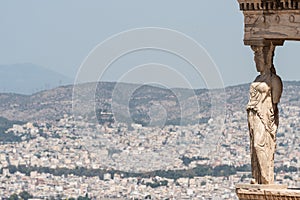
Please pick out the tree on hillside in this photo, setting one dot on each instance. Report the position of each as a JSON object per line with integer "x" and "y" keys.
{"x": 13, "y": 197}
{"x": 25, "y": 195}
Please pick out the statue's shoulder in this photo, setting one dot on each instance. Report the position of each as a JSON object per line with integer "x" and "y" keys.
{"x": 276, "y": 80}
{"x": 277, "y": 88}
{"x": 257, "y": 78}
{"x": 276, "y": 77}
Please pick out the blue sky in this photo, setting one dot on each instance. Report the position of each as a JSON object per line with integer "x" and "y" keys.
{"x": 59, "y": 34}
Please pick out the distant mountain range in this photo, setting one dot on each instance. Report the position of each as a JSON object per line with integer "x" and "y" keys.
{"x": 28, "y": 78}
{"x": 175, "y": 106}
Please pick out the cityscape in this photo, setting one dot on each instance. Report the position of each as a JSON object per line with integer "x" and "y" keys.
{"x": 136, "y": 100}
{"x": 66, "y": 158}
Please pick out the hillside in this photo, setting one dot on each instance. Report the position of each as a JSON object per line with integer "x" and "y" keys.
{"x": 144, "y": 104}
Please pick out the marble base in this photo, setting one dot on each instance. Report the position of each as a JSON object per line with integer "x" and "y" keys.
{"x": 266, "y": 192}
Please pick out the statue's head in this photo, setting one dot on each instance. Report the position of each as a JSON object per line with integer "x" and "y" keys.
{"x": 259, "y": 58}
{"x": 263, "y": 57}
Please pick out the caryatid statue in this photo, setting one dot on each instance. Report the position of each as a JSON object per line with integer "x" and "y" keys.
{"x": 267, "y": 24}
{"x": 265, "y": 93}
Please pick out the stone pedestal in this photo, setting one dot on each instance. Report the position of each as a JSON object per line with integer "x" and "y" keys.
{"x": 266, "y": 192}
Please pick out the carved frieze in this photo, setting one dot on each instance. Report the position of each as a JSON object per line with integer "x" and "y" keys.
{"x": 279, "y": 25}
{"x": 276, "y": 20}
{"x": 269, "y": 4}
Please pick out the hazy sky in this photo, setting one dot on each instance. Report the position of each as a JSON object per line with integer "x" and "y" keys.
{"x": 59, "y": 34}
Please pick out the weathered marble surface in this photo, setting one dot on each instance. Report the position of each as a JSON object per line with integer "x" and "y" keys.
{"x": 264, "y": 192}
{"x": 263, "y": 120}
{"x": 268, "y": 23}
{"x": 275, "y": 20}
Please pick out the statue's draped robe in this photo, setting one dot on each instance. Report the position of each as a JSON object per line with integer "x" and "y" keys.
{"x": 263, "y": 123}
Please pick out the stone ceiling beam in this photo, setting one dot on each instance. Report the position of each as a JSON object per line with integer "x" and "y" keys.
{"x": 270, "y": 21}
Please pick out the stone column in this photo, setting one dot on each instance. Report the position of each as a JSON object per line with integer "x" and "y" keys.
{"x": 267, "y": 24}
{"x": 263, "y": 120}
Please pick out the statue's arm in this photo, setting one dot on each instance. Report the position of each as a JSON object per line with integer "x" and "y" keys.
{"x": 276, "y": 89}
